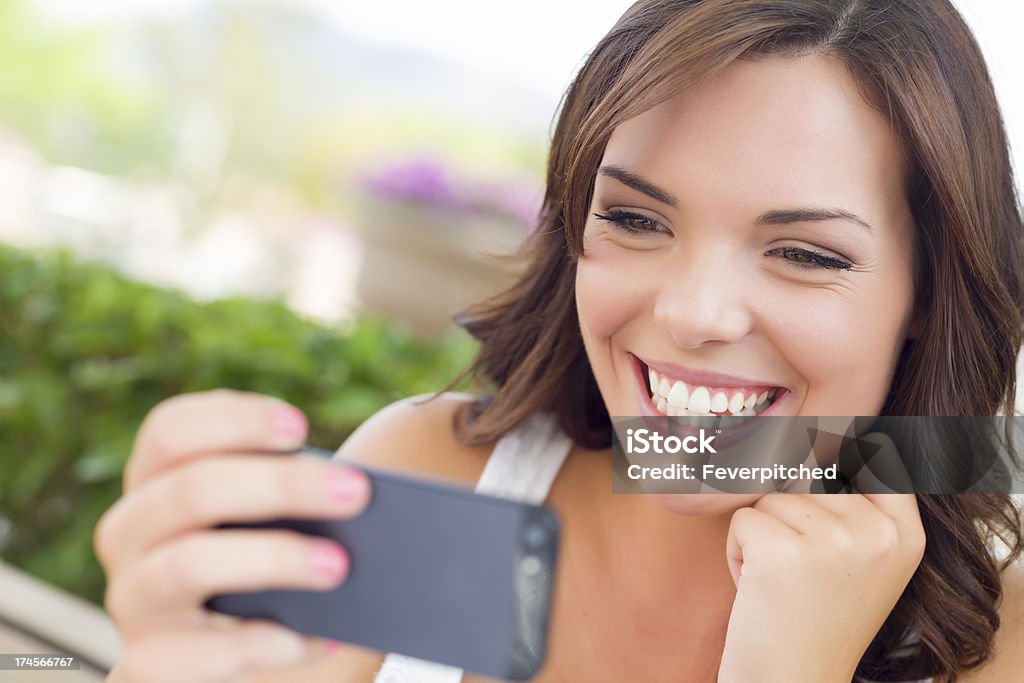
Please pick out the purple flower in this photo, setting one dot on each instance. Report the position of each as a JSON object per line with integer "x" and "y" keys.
{"x": 428, "y": 183}
{"x": 418, "y": 181}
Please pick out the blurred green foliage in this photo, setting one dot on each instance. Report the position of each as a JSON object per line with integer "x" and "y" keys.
{"x": 85, "y": 354}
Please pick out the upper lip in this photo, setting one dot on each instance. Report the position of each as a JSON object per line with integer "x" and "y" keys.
{"x": 705, "y": 378}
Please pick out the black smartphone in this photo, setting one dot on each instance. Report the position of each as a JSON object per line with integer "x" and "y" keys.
{"x": 437, "y": 572}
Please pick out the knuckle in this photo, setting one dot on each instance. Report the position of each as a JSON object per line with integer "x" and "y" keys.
{"x": 105, "y": 536}
{"x": 743, "y": 516}
{"x": 162, "y": 417}
{"x": 287, "y": 483}
{"x": 113, "y": 600}
{"x": 180, "y": 565}
{"x": 279, "y": 555}
{"x": 920, "y": 541}
{"x": 276, "y": 555}
{"x": 121, "y": 599}
{"x": 887, "y": 536}
{"x": 191, "y": 490}
{"x": 916, "y": 545}
{"x": 156, "y": 434}
{"x": 162, "y": 425}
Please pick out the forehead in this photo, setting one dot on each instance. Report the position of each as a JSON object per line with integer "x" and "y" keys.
{"x": 780, "y": 128}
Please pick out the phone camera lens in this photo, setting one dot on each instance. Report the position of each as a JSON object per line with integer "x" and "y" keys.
{"x": 536, "y": 537}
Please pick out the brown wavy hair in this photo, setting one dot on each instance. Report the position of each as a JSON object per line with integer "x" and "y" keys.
{"x": 918, "y": 64}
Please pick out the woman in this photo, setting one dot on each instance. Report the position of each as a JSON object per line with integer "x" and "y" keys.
{"x": 805, "y": 203}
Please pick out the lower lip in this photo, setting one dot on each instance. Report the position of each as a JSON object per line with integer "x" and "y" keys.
{"x": 727, "y": 435}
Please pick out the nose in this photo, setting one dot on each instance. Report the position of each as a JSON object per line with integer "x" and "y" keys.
{"x": 704, "y": 299}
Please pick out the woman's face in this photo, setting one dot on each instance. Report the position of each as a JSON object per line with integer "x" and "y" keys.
{"x": 749, "y": 238}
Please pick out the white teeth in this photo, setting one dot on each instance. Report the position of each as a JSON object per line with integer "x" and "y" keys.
{"x": 696, "y": 419}
{"x": 696, "y": 405}
{"x": 700, "y": 401}
{"x": 679, "y": 395}
{"x": 664, "y": 388}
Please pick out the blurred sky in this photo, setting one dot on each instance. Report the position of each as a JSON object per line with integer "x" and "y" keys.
{"x": 534, "y": 43}
{"x": 537, "y": 44}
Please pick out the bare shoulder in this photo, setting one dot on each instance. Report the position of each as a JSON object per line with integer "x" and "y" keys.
{"x": 415, "y": 435}
{"x": 1008, "y": 658}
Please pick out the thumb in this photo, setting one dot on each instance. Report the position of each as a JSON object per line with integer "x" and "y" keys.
{"x": 746, "y": 526}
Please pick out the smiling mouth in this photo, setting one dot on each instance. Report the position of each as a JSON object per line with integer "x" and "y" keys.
{"x": 733, "y": 405}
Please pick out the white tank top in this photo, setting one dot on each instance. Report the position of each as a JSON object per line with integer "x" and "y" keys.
{"x": 521, "y": 467}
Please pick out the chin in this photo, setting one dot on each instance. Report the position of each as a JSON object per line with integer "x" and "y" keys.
{"x": 705, "y": 504}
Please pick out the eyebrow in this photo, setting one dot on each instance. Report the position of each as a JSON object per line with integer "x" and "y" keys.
{"x": 639, "y": 184}
{"x": 809, "y": 214}
{"x": 775, "y": 217}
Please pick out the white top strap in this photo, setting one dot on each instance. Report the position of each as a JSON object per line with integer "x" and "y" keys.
{"x": 401, "y": 669}
{"x": 522, "y": 466}
{"x": 526, "y": 461}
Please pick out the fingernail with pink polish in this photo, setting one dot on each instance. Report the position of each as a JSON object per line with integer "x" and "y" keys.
{"x": 290, "y": 423}
{"x": 345, "y": 483}
{"x": 329, "y": 560}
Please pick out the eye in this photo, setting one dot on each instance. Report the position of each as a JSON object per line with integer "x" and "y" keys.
{"x": 630, "y": 222}
{"x": 809, "y": 259}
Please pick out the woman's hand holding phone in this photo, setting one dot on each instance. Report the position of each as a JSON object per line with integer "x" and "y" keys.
{"x": 201, "y": 460}
{"x": 816, "y": 577}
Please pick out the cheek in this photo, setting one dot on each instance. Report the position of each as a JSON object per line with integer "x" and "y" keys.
{"x": 608, "y": 293}
{"x": 844, "y": 347}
